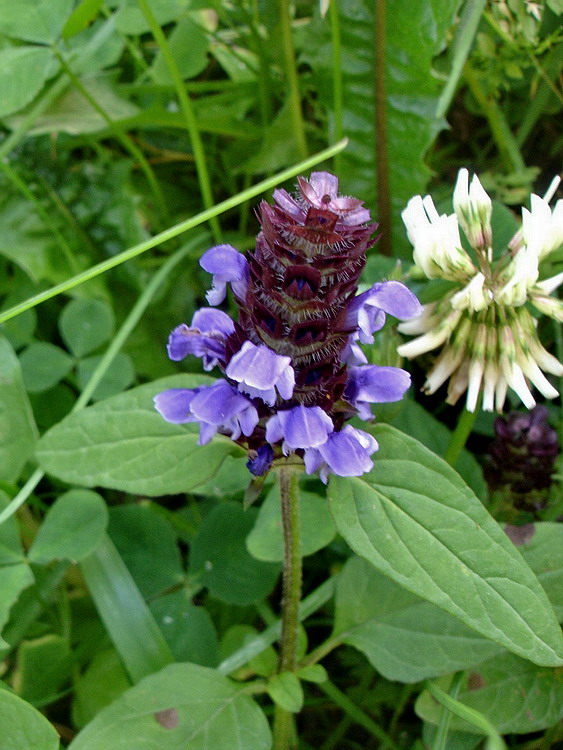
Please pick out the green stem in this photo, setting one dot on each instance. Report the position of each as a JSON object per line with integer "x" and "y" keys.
{"x": 505, "y": 141}
{"x": 356, "y": 714}
{"x": 381, "y": 142}
{"x": 441, "y": 737}
{"x": 129, "y": 145}
{"x": 172, "y": 232}
{"x": 460, "y": 435}
{"x": 337, "y": 82}
{"x": 292, "y": 578}
{"x": 292, "y": 79}
{"x": 189, "y": 115}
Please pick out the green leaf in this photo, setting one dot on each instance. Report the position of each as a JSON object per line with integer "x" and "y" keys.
{"x": 44, "y": 365}
{"x": 415, "y": 34}
{"x": 414, "y": 519}
{"x": 188, "y": 629}
{"x": 103, "y": 682}
{"x": 414, "y": 420}
{"x": 23, "y": 727}
{"x": 130, "y": 19}
{"x": 219, "y": 556}
{"x": 313, "y": 673}
{"x": 515, "y": 695}
{"x": 265, "y": 541}
{"x": 286, "y": 691}
{"x": 85, "y": 324}
{"x": 238, "y": 637}
{"x": 183, "y": 705}
{"x": 34, "y": 20}
{"x": 72, "y": 529}
{"x": 14, "y": 578}
{"x": 148, "y": 546}
{"x": 188, "y": 45}
{"x": 404, "y": 637}
{"x": 81, "y": 16}
{"x": 18, "y": 432}
{"x": 123, "y": 443}
{"x": 44, "y": 666}
{"x": 542, "y": 548}
{"x": 24, "y": 70}
{"x": 118, "y": 376}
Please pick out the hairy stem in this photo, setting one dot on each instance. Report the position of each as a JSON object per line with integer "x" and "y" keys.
{"x": 283, "y": 720}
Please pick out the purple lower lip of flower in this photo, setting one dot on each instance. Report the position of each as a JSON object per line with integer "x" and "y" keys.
{"x": 345, "y": 453}
{"x": 299, "y": 427}
{"x": 371, "y": 384}
{"x": 227, "y": 265}
{"x": 261, "y": 462}
{"x": 259, "y": 372}
{"x": 367, "y": 310}
{"x": 215, "y": 407}
{"x": 204, "y": 338}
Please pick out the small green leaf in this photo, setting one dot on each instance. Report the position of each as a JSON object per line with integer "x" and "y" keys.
{"x": 542, "y": 548}
{"x": 313, "y": 673}
{"x": 515, "y": 695}
{"x": 18, "y": 432}
{"x": 123, "y": 443}
{"x": 265, "y": 541}
{"x": 44, "y": 666}
{"x": 72, "y": 529}
{"x": 23, "y": 727}
{"x": 14, "y": 578}
{"x": 414, "y": 519}
{"x": 130, "y": 19}
{"x": 34, "y": 20}
{"x": 44, "y": 365}
{"x": 86, "y": 324}
{"x": 118, "y": 376}
{"x": 188, "y": 629}
{"x": 219, "y": 556}
{"x": 239, "y": 636}
{"x": 103, "y": 682}
{"x": 285, "y": 690}
{"x": 182, "y": 706}
{"x": 81, "y": 16}
{"x": 24, "y": 70}
{"x": 188, "y": 45}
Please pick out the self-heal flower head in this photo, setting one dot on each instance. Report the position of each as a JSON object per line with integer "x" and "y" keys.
{"x": 293, "y": 369}
{"x": 486, "y": 332}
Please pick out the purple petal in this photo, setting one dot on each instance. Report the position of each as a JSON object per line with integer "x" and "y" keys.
{"x": 300, "y": 427}
{"x": 209, "y": 320}
{"x": 258, "y": 371}
{"x": 185, "y": 340}
{"x": 371, "y": 384}
{"x": 227, "y": 265}
{"x": 367, "y": 310}
{"x": 175, "y": 404}
{"x": 260, "y": 464}
{"x": 345, "y": 453}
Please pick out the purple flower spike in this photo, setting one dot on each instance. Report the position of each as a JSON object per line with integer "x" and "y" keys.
{"x": 300, "y": 427}
{"x": 367, "y": 310}
{"x": 372, "y": 384}
{"x": 204, "y": 338}
{"x": 227, "y": 265}
{"x": 345, "y": 453}
{"x": 175, "y": 404}
{"x": 259, "y": 372}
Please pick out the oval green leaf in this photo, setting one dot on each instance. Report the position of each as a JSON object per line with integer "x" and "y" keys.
{"x": 413, "y": 518}
{"x": 23, "y": 726}
{"x": 182, "y": 706}
{"x": 24, "y": 70}
{"x": 86, "y": 324}
{"x": 123, "y": 443}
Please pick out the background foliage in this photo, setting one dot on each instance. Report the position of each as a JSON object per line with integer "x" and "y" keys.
{"x": 139, "y": 599}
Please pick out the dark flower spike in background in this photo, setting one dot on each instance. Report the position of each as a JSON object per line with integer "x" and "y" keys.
{"x": 294, "y": 370}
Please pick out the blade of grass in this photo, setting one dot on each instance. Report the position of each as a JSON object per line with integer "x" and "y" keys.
{"x": 187, "y": 109}
{"x": 292, "y": 78}
{"x": 174, "y": 231}
{"x": 441, "y": 738}
{"x": 129, "y": 622}
{"x": 337, "y": 82}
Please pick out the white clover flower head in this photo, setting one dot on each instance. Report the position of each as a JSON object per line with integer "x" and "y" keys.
{"x": 482, "y": 330}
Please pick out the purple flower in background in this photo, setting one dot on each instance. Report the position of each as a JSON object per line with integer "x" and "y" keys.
{"x": 290, "y": 363}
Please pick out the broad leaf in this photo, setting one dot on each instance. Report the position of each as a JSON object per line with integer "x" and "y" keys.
{"x": 182, "y": 706}
{"x": 513, "y": 694}
{"x": 73, "y": 528}
{"x": 23, "y": 727}
{"x": 24, "y": 70}
{"x": 414, "y": 519}
{"x": 404, "y": 637}
{"x": 18, "y": 432}
{"x": 123, "y": 443}
{"x": 34, "y": 20}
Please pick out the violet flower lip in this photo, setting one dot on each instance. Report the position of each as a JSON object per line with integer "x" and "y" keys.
{"x": 293, "y": 369}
